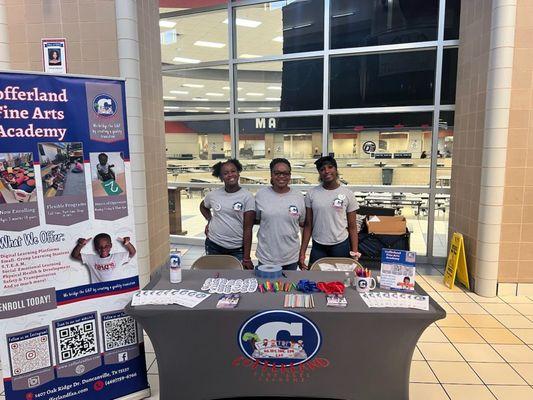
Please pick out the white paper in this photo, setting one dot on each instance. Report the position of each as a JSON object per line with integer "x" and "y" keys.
{"x": 184, "y": 297}
{"x": 395, "y": 300}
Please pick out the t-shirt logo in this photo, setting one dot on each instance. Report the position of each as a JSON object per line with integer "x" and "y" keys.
{"x": 238, "y": 206}
{"x": 218, "y": 207}
{"x": 105, "y": 267}
{"x": 338, "y": 202}
{"x": 293, "y": 210}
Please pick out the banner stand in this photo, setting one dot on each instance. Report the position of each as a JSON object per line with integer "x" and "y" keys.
{"x": 68, "y": 262}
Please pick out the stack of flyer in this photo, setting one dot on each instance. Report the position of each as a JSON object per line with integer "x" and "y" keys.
{"x": 398, "y": 270}
{"x": 183, "y": 297}
{"x": 395, "y": 300}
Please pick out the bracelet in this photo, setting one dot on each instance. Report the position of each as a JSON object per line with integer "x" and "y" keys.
{"x": 246, "y": 259}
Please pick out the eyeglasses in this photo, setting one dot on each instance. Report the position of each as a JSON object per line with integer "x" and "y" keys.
{"x": 280, "y": 173}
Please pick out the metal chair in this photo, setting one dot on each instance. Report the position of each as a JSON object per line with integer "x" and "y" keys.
{"x": 217, "y": 262}
{"x": 334, "y": 261}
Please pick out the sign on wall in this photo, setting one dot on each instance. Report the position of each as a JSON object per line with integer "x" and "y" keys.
{"x": 54, "y": 55}
{"x": 67, "y": 243}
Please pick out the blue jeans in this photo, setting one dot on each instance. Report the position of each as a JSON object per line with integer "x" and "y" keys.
{"x": 288, "y": 267}
{"x": 319, "y": 251}
{"x": 211, "y": 248}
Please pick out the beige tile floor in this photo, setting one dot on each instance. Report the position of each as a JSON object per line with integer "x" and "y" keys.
{"x": 482, "y": 350}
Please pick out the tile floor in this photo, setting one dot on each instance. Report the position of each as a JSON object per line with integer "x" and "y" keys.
{"x": 482, "y": 350}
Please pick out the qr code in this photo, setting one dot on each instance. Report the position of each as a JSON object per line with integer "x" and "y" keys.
{"x": 76, "y": 341}
{"x": 29, "y": 355}
{"x": 119, "y": 332}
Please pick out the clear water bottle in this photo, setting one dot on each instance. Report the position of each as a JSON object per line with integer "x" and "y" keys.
{"x": 175, "y": 266}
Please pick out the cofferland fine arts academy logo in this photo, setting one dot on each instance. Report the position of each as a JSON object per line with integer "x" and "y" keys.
{"x": 279, "y": 338}
{"x": 104, "y": 105}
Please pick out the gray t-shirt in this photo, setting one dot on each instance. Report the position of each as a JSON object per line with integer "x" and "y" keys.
{"x": 330, "y": 223}
{"x": 227, "y": 209}
{"x": 280, "y": 215}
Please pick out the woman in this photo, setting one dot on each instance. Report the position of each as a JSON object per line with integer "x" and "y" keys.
{"x": 54, "y": 58}
{"x": 330, "y": 217}
{"x": 280, "y": 212}
{"x": 230, "y": 215}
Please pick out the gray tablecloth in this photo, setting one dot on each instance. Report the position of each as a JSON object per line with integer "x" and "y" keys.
{"x": 364, "y": 354}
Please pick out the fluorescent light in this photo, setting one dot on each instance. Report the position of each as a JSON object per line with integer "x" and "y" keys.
{"x": 248, "y": 23}
{"x": 178, "y": 92}
{"x": 192, "y": 111}
{"x": 200, "y": 99}
{"x": 278, "y": 39}
{"x": 192, "y": 85}
{"x": 297, "y": 27}
{"x": 227, "y": 88}
{"x": 249, "y": 56}
{"x": 347, "y": 14}
{"x": 268, "y": 87}
{"x": 273, "y": 98}
{"x": 172, "y": 108}
{"x": 169, "y": 98}
{"x": 250, "y": 111}
{"x": 186, "y": 60}
{"x": 203, "y": 43}
{"x": 265, "y": 108}
{"x": 215, "y": 94}
{"x": 241, "y": 99}
{"x": 203, "y": 108}
{"x": 255, "y": 94}
{"x": 220, "y": 111}
{"x": 166, "y": 24}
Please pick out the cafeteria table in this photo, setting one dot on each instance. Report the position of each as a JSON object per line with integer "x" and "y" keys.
{"x": 362, "y": 353}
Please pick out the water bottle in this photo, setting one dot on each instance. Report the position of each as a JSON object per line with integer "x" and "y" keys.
{"x": 175, "y": 266}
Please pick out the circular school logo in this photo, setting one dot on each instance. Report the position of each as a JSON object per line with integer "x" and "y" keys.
{"x": 369, "y": 147}
{"x": 279, "y": 338}
{"x": 238, "y": 206}
{"x": 104, "y": 105}
{"x": 293, "y": 210}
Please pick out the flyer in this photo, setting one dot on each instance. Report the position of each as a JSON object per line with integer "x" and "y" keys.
{"x": 67, "y": 243}
{"x": 398, "y": 270}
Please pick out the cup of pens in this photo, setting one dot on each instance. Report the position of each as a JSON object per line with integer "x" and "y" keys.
{"x": 363, "y": 280}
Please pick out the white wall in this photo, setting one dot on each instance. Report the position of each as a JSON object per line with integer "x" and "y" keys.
{"x": 183, "y": 143}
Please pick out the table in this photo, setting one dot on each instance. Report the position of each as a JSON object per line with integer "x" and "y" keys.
{"x": 364, "y": 353}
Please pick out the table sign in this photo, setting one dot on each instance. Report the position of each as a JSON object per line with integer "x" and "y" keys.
{"x": 398, "y": 270}
{"x": 456, "y": 263}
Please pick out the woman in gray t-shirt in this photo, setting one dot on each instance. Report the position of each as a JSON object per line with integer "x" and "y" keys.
{"x": 230, "y": 215}
{"x": 330, "y": 217}
{"x": 280, "y": 212}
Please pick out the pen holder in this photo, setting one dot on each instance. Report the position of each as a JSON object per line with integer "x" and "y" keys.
{"x": 363, "y": 285}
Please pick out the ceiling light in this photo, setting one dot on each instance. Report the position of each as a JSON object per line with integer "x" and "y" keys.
{"x": 192, "y": 111}
{"x": 296, "y": 27}
{"x": 347, "y": 14}
{"x": 203, "y": 43}
{"x": 166, "y": 24}
{"x": 249, "y": 56}
{"x": 169, "y": 98}
{"x": 265, "y": 108}
{"x": 215, "y": 94}
{"x": 220, "y": 111}
{"x": 203, "y": 108}
{"x": 248, "y": 23}
{"x": 250, "y": 111}
{"x": 241, "y": 99}
{"x": 268, "y": 87}
{"x": 227, "y": 88}
{"x": 255, "y": 94}
{"x": 186, "y": 60}
{"x": 172, "y": 108}
{"x": 273, "y": 98}
{"x": 192, "y": 85}
{"x": 178, "y": 92}
{"x": 278, "y": 39}
{"x": 200, "y": 99}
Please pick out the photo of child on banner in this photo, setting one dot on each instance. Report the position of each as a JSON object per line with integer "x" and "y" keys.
{"x": 107, "y": 174}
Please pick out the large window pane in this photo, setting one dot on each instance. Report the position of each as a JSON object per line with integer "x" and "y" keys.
{"x": 382, "y": 149}
{"x": 191, "y": 39}
{"x": 191, "y": 147}
{"x": 390, "y": 79}
{"x": 452, "y": 19}
{"x": 280, "y": 86}
{"x": 280, "y": 27}
{"x": 379, "y": 22}
{"x": 445, "y": 149}
{"x": 297, "y": 139}
{"x": 449, "y": 76}
{"x": 202, "y": 91}
{"x": 440, "y": 232}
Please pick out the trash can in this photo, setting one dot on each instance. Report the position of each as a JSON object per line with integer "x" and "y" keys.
{"x": 386, "y": 176}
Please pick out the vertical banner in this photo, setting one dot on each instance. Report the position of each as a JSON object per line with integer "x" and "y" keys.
{"x": 67, "y": 243}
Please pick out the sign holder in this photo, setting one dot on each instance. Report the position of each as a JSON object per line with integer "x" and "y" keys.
{"x": 456, "y": 263}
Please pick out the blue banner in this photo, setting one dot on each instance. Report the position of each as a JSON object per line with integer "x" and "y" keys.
{"x": 67, "y": 243}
